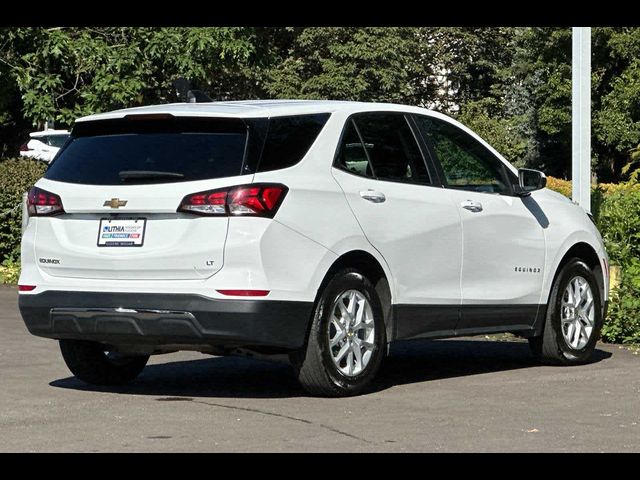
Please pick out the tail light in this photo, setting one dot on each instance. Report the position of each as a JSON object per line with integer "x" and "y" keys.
{"x": 42, "y": 203}
{"x": 24, "y": 147}
{"x": 255, "y": 200}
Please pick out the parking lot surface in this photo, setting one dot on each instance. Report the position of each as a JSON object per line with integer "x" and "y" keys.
{"x": 450, "y": 395}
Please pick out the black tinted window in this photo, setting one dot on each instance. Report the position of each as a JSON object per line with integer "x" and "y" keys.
{"x": 352, "y": 156}
{"x": 466, "y": 163}
{"x": 392, "y": 148}
{"x": 188, "y": 149}
{"x": 289, "y": 139}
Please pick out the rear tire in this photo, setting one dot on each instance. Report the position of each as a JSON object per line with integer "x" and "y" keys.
{"x": 89, "y": 362}
{"x": 344, "y": 350}
{"x": 565, "y": 341}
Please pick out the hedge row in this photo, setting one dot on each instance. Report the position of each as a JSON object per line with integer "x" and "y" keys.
{"x": 615, "y": 206}
{"x": 564, "y": 186}
{"x": 16, "y": 177}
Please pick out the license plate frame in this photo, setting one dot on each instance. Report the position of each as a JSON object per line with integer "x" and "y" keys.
{"x": 122, "y": 241}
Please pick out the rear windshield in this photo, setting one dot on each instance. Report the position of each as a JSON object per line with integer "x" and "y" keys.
{"x": 151, "y": 151}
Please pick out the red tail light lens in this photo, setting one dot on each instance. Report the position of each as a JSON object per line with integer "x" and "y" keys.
{"x": 26, "y": 288}
{"x": 24, "y": 147}
{"x": 42, "y": 203}
{"x": 256, "y": 200}
{"x": 205, "y": 203}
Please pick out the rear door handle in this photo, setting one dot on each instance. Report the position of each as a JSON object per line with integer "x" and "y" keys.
{"x": 471, "y": 206}
{"x": 373, "y": 196}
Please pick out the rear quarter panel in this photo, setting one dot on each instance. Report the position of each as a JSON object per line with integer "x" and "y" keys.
{"x": 316, "y": 206}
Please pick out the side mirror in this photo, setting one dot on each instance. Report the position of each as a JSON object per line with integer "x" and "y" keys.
{"x": 530, "y": 180}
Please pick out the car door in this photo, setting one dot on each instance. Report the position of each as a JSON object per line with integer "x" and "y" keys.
{"x": 503, "y": 239}
{"x": 411, "y": 221}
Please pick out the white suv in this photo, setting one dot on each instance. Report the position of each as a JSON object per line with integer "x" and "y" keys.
{"x": 324, "y": 230}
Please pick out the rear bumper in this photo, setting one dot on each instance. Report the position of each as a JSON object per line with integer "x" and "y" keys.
{"x": 165, "y": 319}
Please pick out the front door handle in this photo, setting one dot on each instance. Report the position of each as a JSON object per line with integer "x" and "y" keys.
{"x": 471, "y": 206}
{"x": 373, "y": 196}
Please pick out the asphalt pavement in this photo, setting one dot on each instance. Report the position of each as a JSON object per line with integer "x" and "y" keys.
{"x": 431, "y": 396}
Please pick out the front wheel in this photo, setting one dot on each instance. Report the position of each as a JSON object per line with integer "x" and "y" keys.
{"x": 574, "y": 317}
{"x": 346, "y": 340}
{"x": 91, "y": 363}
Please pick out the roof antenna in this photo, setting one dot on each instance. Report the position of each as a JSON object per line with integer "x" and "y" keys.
{"x": 187, "y": 93}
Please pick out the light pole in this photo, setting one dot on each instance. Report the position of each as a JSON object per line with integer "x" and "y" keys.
{"x": 581, "y": 117}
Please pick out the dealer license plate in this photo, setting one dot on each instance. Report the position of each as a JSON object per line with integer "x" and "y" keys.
{"x": 121, "y": 232}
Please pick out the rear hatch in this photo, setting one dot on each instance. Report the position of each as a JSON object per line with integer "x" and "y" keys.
{"x": 121, "y": 182}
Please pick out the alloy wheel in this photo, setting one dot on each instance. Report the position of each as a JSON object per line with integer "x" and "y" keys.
{"x": 351, "y": 333}
{"x": 577, "y": 313}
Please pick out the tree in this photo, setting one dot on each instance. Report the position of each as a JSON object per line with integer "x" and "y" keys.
{"x": 13, "y": 124}
{"x": 349, "y": 63}
{"x": 616, "y": 118}
{"x": 536, "y": 90}
{"x": 540, "y": 92}
{"x": 67, "y": 72}
{"x": 466, "y": 64}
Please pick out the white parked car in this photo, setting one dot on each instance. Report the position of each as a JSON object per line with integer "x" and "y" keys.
{"x": 44, "y": 145}
{"x": 324, "y": 230}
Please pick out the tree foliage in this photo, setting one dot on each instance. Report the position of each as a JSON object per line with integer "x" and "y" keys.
{"x": 67, "y": 72}
{"x": 348, "y": 63}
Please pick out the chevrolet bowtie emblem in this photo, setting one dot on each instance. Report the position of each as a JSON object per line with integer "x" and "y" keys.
{"x": 114, "y": 203}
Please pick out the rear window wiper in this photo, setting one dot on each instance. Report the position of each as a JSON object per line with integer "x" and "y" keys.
{"x": 127, "y": 175}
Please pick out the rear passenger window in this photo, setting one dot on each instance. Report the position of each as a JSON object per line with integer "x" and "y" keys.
{"x": 352, "y": 156}
{"x": 390, "y": 148}
{"x": 289, "y": 139}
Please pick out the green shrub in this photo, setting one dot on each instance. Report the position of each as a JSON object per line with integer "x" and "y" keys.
{"x": 9, "y": 272}
{"x": 619, "y": 223}
{"x": 16, "y": 177}
{"x": 622, "y": 324}
{"x": 559, "y": 185}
